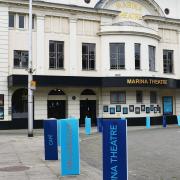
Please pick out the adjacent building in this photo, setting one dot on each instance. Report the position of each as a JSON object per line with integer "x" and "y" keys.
{"x": 96, "y": 58}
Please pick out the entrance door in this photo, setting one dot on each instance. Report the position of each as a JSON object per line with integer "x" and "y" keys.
{"x": 88, "y": 108}
{"x": 56, "y": 109}
{"x": 168, "y": 105}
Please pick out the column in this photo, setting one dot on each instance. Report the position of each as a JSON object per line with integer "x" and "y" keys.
{"x": 40, "y": 57}
{"x": 73, "y": 64}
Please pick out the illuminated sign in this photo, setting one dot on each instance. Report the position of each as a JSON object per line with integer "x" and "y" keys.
{"x": 147, "y": 81}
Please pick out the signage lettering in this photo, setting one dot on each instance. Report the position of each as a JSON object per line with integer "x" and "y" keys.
{"x": 114, "y": 150}
{"x": 50, "y": 140}
{"x": 147, "y": 81}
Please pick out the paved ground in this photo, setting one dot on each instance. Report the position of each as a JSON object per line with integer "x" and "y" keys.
{"x": 154, "y": 154}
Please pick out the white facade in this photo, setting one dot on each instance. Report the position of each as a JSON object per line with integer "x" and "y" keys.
{"x": 100, "y": 23}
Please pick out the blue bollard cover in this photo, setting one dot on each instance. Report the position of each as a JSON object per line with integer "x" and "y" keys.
{"x": 164, "y": 122}
{"x": 148, "y": 122}
{"x": 70, "y": 154}
{"x": 99, "y": 124}
{"x": 88, "y": 125}
{"x": 50, "y": 139}
{"x": 178, "y": 119}
{"x": 115, "y": 164}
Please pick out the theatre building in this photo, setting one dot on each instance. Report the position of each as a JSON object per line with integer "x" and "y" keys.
{"x": 95, "y": 58}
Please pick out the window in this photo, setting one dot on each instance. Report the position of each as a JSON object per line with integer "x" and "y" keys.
{"x": 152, "y": 53}
{"x": 21, "y": 21}
{"x": 56, "y": 54}
{"x": 153, "y": 97}
{"x": 117, "y": 56}
{"x": 137, "y": 55}
{"x": 20, "y": 59}
{"x": 139, "y": 96}
{"x": 168, "y": 61}
{"x": 88, "y": 56}
{"x": 1, "y": 106}
{"x": 33, "y": 21}
{"x": 118, "y": 97}
{"x": 11, "y": 20}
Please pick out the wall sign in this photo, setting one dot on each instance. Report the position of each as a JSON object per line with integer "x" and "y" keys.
{"x": 1, "y": 106}
{"x": 115, "y": 150}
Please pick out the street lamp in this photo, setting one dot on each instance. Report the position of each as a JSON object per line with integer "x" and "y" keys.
{"x": 30, "y": 76}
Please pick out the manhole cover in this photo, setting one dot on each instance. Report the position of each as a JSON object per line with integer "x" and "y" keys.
{"x": 14, "y": 168}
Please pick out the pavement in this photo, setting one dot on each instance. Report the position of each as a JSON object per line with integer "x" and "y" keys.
{"x": 153, "y": 155}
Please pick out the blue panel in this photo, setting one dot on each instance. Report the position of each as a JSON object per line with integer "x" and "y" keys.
{"x": 99, "y": 124}
{"x": 168, "y": 105}
{"x": 70, "y": 155}
{"x": 148, "y": 122}
{"x": 178, "y": 119}
{"x": 164, "y": 122}
{"x": 88, "y": 125}
{"x": 115, "y": 166}
{"x": 50, "y": 139}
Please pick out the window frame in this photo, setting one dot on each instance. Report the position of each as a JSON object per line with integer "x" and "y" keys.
{"x": 119, "y": 57}
{"x": 22, "y": 15}
{"x": 135, "y": 56}
{"x": 117, "y": 94}
{"x": 14, "y": 20}
{"x": 89, "y": 60}
{"x": 152, "y": 62}
{"x": 20, "y": 60}
{"x": 169, "y": 62}
{"x": 152, "y": 93}
{"x": 56, "y": 55}
{"x": 140, "y": 101}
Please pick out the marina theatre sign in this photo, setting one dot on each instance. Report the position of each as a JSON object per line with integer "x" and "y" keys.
{"x": 139, "y": 81}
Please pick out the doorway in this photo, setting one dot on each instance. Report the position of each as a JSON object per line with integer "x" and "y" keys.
{"x": 88, "y": 108}
{"x": 56, "y": 109}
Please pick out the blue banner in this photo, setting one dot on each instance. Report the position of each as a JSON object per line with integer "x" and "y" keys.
{"x": 148, "y": 122}
{"x": 70, "y": 155}
{"x": 178, "y": 119}
{"x": 115, "y": 164}
{"x": 50, "y": 139}
{"x": 88, "y": 126}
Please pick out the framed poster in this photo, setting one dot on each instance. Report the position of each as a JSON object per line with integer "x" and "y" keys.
{"x": 159, "y": 109}
{"x": 147, "y": 110}
{"x": 105, "y": 108}
{"x": 118, "y": 108}
{"x": 1, "y": 99}
{"x": 125, "y": 110}
{"x": 112, "y": 110}
{"x": 137, "y": 110}
{"x": 143, "y": 108}
{"x": 131, "y": 108}
{"x": 151, "y": 107}
{"x": 1, "y": 112}
{"x": 155, "y": 109}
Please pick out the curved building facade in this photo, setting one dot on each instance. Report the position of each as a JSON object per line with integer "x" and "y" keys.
{"x": 96, "y": 58}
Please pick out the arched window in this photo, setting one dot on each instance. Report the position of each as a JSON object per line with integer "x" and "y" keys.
{"x": 88, "y": 92}
{"x": 56, "y": 92}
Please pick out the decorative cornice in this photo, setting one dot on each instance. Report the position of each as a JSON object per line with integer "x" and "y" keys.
{"x": 144, "y": 34}
{"x": 64, "y": 7}
{"x": 160, "y": 19}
